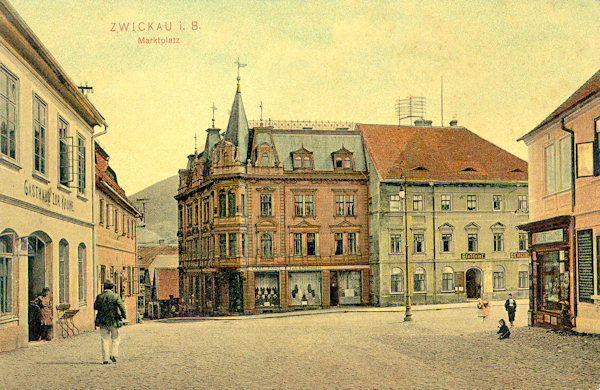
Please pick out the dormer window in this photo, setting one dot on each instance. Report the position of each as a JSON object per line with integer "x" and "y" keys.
{"x": 469, "y": 170}
{"x": 303, "y": 159}
{"x": 343, "y": 159}
{"x": 265, "y": 160}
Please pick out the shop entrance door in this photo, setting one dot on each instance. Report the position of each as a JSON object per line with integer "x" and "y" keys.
{"x": 236, "y": 293}
{"x": 334, "y": 297}
{"x": 36, "y": 264}
{"x": 473, "y": 281}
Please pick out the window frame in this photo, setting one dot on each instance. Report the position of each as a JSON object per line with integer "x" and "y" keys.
{"x": 448, "y": 280}
{"x": 81, "y": 165}
{"x": 395, "y": 204}
{"x": 524, "y": 278}
{"x": 266, "y": 205}
{"x": 523, "y": 239}
{"x": 421, "y": 281}
{"x": 449, "y": 242}
{"x": 263, "y": 252}
{"x": 471, "y": 202}
{"x": 395, "y": 240}
{"x": 82, "y": 272}
{"x": 497, "y": 202}
{"x": 498, "y": 239}
{"x": 445, "y": 204}
{"x": 63, "y": 271}
{"x": 397, "y": 280}
{"x": 475, "y": 241}
{"x": 419, "y": 243}
{"x": 499, "y": 279}
{"x": 12, "y": 102}
{"x": 40, "y": 167}
{"x": 418, "y": 202}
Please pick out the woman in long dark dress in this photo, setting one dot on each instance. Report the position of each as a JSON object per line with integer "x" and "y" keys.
{"x": 45, "y": 314}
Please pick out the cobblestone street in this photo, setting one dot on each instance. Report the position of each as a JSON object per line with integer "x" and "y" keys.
{"x": 354, "y": 348}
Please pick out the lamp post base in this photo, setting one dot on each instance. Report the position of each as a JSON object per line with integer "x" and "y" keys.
{"x": 408, "y": 311}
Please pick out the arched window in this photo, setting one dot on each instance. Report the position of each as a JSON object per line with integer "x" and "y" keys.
{"x": 524, "y": 276}
{"x": 265, "y": 160}
{"x": 306, "y": 162}
{"x": 419, "y": 280}
{"x": 232, "y": 203}
{"x": 499, "y": 283}
{"x": 81, "y": 267}
{"x": 6, "y": 275}
{"x": 397, "y": 280}
{"x": 448, "y": 279}
{"x": 266, "y": 244}
{"x": 63, "y": 271}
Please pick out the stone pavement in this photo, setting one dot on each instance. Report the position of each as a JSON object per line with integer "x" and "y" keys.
{"x": 325, "y": 349}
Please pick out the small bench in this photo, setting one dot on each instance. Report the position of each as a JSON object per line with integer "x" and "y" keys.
{"x": 65, "y": 320}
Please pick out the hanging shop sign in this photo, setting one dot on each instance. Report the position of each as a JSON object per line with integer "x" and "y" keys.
{"x": 549, "y": 236}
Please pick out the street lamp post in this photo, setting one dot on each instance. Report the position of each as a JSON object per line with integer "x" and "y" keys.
{"x": 408, "y": 300}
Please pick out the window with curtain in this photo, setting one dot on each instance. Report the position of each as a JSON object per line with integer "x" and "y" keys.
{"x": 396, "y": 281}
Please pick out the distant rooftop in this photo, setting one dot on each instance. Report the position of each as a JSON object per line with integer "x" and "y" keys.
{"x": 302, "y": 125}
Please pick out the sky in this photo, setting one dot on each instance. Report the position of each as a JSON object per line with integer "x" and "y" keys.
{"x": 506, "y": 65}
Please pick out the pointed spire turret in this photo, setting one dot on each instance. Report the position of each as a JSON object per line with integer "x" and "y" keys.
{"x": 237, "y": 129}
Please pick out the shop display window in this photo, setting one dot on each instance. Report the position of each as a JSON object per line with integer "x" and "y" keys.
{"x": 267, "y": 290}
{"x": 306, "y": 288}
{"x": 554, "y": 280}
{"x": 350, "y": 287}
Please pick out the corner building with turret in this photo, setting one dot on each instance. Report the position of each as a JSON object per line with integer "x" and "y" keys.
{"x": 273, "y": 216}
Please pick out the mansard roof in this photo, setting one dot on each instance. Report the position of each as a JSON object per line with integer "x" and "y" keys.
{"x": 322, "y": 144}
{"x": 237, "y": 129}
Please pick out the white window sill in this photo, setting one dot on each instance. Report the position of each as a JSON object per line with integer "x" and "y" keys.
{"x": 10, "y": 163}
{"x": 63, "y": 188}
{"x": 4, "y": 319}
{"x": 40, "y": 177}
{"x": 81, "y": 197}
{"x": 397, "y": 293}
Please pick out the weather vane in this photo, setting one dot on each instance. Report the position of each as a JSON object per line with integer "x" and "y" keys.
{"x": 239, "y": 65}
{"x": 261, "y": 108}
{"x": 213, "y": 110}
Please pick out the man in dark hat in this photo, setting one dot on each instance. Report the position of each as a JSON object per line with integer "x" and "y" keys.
{"x": 111, "y": 310}
{"x": 511, "y": 307}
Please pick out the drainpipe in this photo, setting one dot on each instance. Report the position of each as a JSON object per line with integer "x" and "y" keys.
{"x": 93, "y": 155}
{"x": 570, "y": 131}
{"x": 432, "y": 184}
{"x": 573, "y": 239}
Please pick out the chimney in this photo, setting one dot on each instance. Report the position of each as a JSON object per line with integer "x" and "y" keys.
{"x": 423, "y": 122}
{"x": 454, "y": 122}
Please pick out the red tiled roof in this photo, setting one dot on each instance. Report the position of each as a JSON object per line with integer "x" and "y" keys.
{"x": 588, "y": 88}
{"x": 167, "y": 282}
{"x": 438, "y": 153}
{"x": 147, "y": 254}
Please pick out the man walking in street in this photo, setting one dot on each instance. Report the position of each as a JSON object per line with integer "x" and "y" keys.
{"x": 511, "y": 307}
{"x": 111, "y": 310}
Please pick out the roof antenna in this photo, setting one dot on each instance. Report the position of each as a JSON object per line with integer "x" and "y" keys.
{"x": 195, "y": 144}
{"x": 442, "y": 101}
